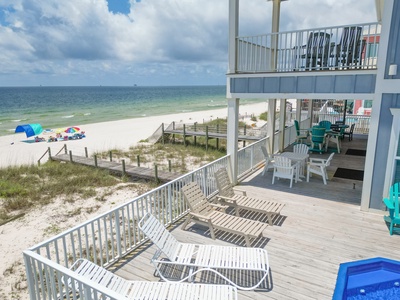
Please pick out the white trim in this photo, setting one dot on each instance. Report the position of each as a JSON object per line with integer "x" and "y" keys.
{"x": 303, "y": 74}
{"x": 341, "y": 96}
{"x": 394, "y": 140}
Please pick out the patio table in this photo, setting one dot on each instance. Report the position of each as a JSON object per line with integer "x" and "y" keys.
{"x": 300, "y": 158}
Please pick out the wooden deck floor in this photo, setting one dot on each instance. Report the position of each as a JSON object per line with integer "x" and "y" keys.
{"x": 321, "y": 227}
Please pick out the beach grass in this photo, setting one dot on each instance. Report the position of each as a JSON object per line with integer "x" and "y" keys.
{"x": 28, "y": 186}
{"x": 25, "y": 187}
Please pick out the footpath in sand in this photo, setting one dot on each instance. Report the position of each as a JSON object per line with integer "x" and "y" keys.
{"x": 41, "y": 224}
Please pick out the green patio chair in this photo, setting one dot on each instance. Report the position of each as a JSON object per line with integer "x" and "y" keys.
{"x": 318, "y": 139}
{"x": 301, "y": 134}
{"x": 392, "y": 204}
{"x": 325, "y": 124}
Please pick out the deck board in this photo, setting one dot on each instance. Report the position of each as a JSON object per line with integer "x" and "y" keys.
{"x": 321, "y": 226}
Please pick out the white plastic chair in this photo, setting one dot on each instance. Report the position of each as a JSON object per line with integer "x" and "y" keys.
{"x": 318, "y": 166}
{"x": 223, "y": 261}
{"x": 269, "y": 161}
{"x": 302, "y": 149}
{"x": 285, "y": 168}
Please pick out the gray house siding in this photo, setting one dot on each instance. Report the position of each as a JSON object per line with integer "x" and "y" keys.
{"x": 340, "y": 84}
{"x": 382, "y": 146}
{"x": 393, "y": 56}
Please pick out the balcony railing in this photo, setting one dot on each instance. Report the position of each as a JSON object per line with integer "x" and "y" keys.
{"x": 329, "y": 48}
{"x": 112, "y": 235}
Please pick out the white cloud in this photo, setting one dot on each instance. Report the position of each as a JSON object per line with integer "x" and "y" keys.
{"x": 185, "y": 39}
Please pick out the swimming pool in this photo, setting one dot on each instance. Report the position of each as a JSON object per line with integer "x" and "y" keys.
{"x": 375, "y": 278}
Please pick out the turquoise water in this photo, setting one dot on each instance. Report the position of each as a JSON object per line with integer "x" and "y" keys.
{"x": 54, "y": 107}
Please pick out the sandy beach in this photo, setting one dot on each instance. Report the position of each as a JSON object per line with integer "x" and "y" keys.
{"x": 16, "y": 149}
{"x": 38, "y": 224}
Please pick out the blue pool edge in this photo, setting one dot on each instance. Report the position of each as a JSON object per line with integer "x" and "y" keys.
{"x": 342, "y": 277}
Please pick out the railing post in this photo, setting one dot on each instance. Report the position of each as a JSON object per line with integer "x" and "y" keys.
{"x": 123, "y": 167}
{"x": 86, "y": 152}
{"x": 110, "y": 153}
{"x": 162, "y": 135}
{"x": 173, "y": 135}
{"x": 70, "y": 156}
{"x": 30, "y": 275}
{"x": 138, "y": 160}
{"x": 118, "y": 233}
{"x": 244, "y": 133}
{"x": 156, "y": 173}
{"x": 65, "y": 149}
{"x": 169, "y": 191}
{"x": 218, "y": 137}
{"x": 195, "y": 137}
{"x": 207, "y": 138}
{"x": 184, "y": 134}
{"x": 49, "y": 150}
{"x": 95, "y": 160}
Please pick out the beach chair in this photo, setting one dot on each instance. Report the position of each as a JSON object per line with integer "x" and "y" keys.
{"x": 393, "y": 206}
{"x": 269, "y": 161}
{"x": 214, "y": 217}
{"x": 225, "y": 262}
{"x": 147, "y": 289}
{"x": 301, "y": 135}
{"x": 285, "y": 168}
{"x": 318, "y": 166}
{"x": 227, "y": 196}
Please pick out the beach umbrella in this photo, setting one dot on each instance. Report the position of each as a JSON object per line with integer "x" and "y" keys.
{"x": 29, "y": 129}
{"x": 72, "y": 129}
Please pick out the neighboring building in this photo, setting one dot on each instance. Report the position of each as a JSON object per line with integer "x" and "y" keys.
{"x": 362, "y": 64}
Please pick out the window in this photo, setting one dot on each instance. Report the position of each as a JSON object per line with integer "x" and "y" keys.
{"x": 372, "y": 50}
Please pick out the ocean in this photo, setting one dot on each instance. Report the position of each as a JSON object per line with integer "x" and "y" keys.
{"x": 55, "y": 107}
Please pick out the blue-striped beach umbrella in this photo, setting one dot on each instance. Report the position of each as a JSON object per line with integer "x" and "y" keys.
{"x": 29, "y": 129}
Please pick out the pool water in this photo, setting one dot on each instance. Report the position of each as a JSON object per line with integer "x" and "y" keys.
{"x": 376, "y": 278}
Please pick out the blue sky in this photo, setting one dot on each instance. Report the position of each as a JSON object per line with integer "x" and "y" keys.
{"x": 146, "y": 42}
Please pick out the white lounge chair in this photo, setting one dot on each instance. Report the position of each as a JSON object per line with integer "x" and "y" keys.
{"x": 227, "y": 196}
{"x": 151, "y": 290}
{"x": 220, "y": 260}
{"x": 207, "y": 214}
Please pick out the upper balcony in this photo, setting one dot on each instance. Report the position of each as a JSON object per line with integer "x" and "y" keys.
{"x": 347, "y": 47}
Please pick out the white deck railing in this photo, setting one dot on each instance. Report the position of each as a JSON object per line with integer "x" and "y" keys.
{"x": 112, "y": 235}
{"x": 340, "y": 47}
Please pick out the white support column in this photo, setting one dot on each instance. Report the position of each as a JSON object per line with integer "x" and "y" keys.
{"x": 282, "y": 122}
{"x": 233, "y": 33}
{"x": 232, "y": 136}
{"x": 298, "y": 110}
{"x": 271, "y": 124}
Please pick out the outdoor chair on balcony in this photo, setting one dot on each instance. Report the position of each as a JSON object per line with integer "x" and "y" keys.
{"x": 244, "y": 268}
{"x": 393, "y": 206}
{"x": 317, "y": 50}
{"x": 227, "y": 196}
{"x": 302, "y": 149}
{"x": 269, "y": 161}
{"x": 349, "y": 50}
{"x": 147, "y": 289}
{"x": 318, "y": 166}
{"x": 335, "y": 137}
{"x": 326, "y": 124}
{"x": 214, "y": 217}
{"x": 285, "y": 168}
{"x": 318, "y": 139}
{"x": 301, "y": 135}
{"x": 350, "y": 132}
